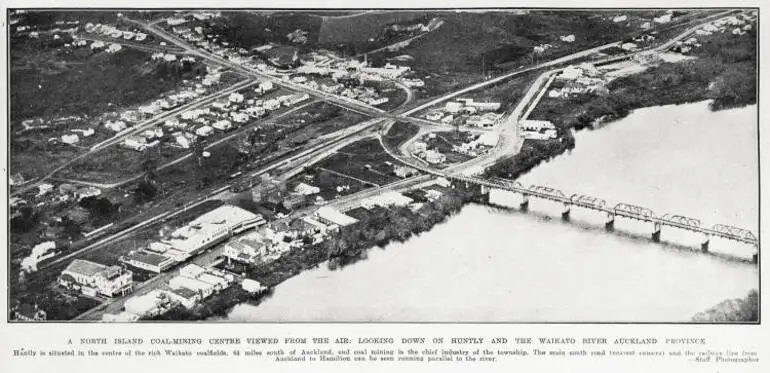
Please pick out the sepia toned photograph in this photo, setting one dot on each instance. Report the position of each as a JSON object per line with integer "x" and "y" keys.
{"x": 470, "y": 165}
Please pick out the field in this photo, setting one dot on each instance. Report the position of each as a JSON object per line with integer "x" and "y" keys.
{"x": 318, "y": 119}
{"x": 355, "y": 167}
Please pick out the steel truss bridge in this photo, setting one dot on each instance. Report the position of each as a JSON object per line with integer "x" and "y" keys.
{"x": 624, "y": 210}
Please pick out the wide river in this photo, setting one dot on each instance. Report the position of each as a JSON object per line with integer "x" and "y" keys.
{"x": 498, "y": 264}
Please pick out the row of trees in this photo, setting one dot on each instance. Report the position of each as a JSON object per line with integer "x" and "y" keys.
{"x": 382, "y": 226}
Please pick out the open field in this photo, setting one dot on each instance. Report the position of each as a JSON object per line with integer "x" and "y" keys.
{"x": 399, "y": 133}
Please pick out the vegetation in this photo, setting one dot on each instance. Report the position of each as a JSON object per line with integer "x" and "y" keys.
{"x": 724, "y": 71}
{"x": 82, "y": 82}
{"x": 532, "y": 153}
{"x": 378, "y": 227}
{"x": 399, "y": 133}
{"x": 732, "y": 310}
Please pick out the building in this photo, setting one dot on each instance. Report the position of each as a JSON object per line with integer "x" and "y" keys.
{"x": 269, "y": 190}
{"x": 200, "y": 234}
{"x": 70, "y": 139}
{"x": 148, "y": 261}
{"x": 404, "y": 171}
{"x": 386, "y": 200}
{"x": 293, "y": 200}
{"x": 245, "y": 251}
{"x": 154, "y": 303}
{"x": 203, "y": 288}
{"x": 252, "y": 286}
{"x": 453, "y": 107}
{"x": 186, "y": 297}
{"x": 538, "y": 129}
{"x": 95, "y": 278}
{"x": 306, "y": 189}
{"x": 331, "y": 216}
{"x": 434, "y": 157}
{"x": 484, "y": 106}
{"x": 29, "y": 312}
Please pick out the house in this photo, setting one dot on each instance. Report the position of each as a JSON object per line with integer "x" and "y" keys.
{"x": 385, "y": 200}
{"x": 148, "y": 261}
{"x": 484, "y": 106}
{"x": 245, "y": 251}
{"x": 235, "y": 97}
{"x": 29, "y": 312}
{"x": 306, "y": 189}
{"x": 434, "y": 115}
{"x": 186, "y": 297}
{"x": 272, "y": 104}
{"x": 453, "y": 107}
{"x": 204, "y": 131}
{"x": 331, "y": 216}
{"x": 137, "y": 143}
{"x": 222, "y": 125}
{"x": 404, "y": 171}
{"x": 568, "y": 38}
{"x": 108, "y": 281}
{"x": 571, "y": 73}
{"x": 448, "y": 119}
{"x": 620, "y": 18}
{"x": 154, "y": 303}
{"x": 420, "y": 146}
{"x": 239, "y": 117}
{"x": 538, "y": 129}
{"x": 434, "y": 157}
{"x": 666, "y": 18}
{"x": 70, "y": 139}
{"x": 203, "y": 288}
{"x": 265, "y": 87}
{"x": 252, "y": 286}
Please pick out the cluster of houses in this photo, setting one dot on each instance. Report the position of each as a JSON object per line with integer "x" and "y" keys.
{"x": 737, "y": 25}
{"x": 421, "y": 150}
{"x": 578, "y": 79}
{"x": 222, "y": 115}
{"x": 537, "y": 129}
{"x": 479, "y": 145}
{"x": 192, "y": 285}
{"x": 114, "y": 32}
{"x": 204, "y": 232}
{"x": 467, "y": 111}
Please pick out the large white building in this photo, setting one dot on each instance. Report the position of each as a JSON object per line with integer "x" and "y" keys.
{"x": 94, "y": 278}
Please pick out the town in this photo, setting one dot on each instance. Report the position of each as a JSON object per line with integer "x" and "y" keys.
{"x": 206, "y": 156}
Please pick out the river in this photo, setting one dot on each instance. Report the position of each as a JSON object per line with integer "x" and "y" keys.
{"x": 502, "y": 264}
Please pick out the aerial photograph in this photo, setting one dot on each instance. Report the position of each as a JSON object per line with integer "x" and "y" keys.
{"x": 383, "y": 165}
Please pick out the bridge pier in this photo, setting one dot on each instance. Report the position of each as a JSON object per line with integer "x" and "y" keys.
{"x": 609, "y": 221}
{"x": 565, "y": 211}
{"x": 755, "y": 257}
{"x": 656, "y": 232}
{"x": 524, "y": 204}
{"x": 704, "y": 244}
{"x": 484, "y": 189}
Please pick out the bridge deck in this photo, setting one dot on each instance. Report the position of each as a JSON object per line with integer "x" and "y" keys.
{"x": 510, "y": 186}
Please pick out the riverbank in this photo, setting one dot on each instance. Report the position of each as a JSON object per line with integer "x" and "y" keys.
{"x": 732, "y": 310}
{"x": 724, "y": 72}
{"x": 378, "y": 228}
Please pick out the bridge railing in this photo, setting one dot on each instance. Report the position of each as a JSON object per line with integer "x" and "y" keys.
{"x": 586, "y": 200}
{"x": 681, "y": 220}
{"x": 634, "y": 210}
{"x": 735, "y": 231}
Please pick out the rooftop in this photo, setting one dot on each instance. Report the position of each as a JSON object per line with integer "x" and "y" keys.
{"x": 85, "y": 268}
{"x": 148, "y": 258}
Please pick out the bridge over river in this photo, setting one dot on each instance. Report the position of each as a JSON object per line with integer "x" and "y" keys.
{"x": 620, "y": 210}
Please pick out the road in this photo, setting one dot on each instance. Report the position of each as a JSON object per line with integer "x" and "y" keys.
{"x": 141, "y": 126}
{"x": 209, "y": 146}
{"x": 508, "y": 133}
